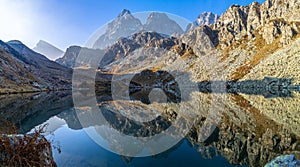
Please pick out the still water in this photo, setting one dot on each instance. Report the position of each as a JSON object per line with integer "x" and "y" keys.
{"x": 252, "y": 131}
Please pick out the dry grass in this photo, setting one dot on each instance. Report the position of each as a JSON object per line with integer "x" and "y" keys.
{"x": 156, "y": 68}
{"x": 27, "y": 150}
{"x": 183, "y": 52}
{"x": 233, "y": 46}
{"x": 226, "y": 53}
{"x": 262, "y": 52}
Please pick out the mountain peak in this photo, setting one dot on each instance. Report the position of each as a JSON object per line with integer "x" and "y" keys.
{"x": 42, "y": 42}
{"x": 161, "y": 23}
{"x": 47, "y": 49}
{"x": 124, "y": 13}
{"x": 206, "y": 18}
{"x": 15, "y": 42}
{"x": 156, "y": 15}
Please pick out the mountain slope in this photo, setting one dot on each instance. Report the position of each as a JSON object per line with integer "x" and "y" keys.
{"x": 48, "y": 50}
{"x": 12, "y": 73}
{"x": 25, "y": 70}
{"x": 245, "y": 36}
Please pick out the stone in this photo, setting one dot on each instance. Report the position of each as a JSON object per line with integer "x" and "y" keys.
{"x": 284, "y": 160}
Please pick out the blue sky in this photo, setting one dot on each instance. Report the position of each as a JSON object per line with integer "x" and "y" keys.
{"x": 71, "y": 22}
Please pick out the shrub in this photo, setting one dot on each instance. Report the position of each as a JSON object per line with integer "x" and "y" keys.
{"x": 25, "y": 150}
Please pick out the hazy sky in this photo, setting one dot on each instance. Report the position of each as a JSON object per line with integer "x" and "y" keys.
{"x": 68, "y": 22}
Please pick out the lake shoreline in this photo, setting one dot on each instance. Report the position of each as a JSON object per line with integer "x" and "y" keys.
{"x": 32, "y": 91}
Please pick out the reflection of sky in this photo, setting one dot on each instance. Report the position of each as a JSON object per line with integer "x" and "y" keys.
{"x": 52, "y": 125}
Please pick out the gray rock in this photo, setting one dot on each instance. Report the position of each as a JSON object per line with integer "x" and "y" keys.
{"x": 202, "y": 40}
{"x": 284, "y": 160}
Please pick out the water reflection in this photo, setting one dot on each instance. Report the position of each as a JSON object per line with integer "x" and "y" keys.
{"x": 29, "y": 110}
{"x": 252, "y": 131}
{"x": 139, "y": 86}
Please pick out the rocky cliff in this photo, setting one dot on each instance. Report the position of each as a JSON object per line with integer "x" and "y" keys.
{"x": 247, "y": 38}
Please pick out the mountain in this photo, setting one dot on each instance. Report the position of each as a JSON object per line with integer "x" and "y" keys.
{"x": 138, "y": 51}
{"x": 123, "y": 51}
{"x": 12, "y": 72}
{"x": 126, "y": 24}
{"x": 206, "y": 18}
{"x": 257, "y": 31}
{"x": 246, "y": 43}
{"x": 249, "y": 43}
{"x": 241, "y": 40}
{"x": 69, "y": 58}
{"x": 25, "y": 70}
{"x": 161, "y": 23}
{"x": 48, "y": 50}
{"x": 71, "y": 54}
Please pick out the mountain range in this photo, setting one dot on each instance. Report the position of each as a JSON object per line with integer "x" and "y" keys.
{"x": 245, "y": 42}
{"x": 126, "y": 24}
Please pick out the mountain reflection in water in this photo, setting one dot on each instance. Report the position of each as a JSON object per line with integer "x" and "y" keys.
{"x": 252, "y": 129}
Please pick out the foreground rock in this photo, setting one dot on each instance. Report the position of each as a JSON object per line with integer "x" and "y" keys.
{"x": 284, "y": 160}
